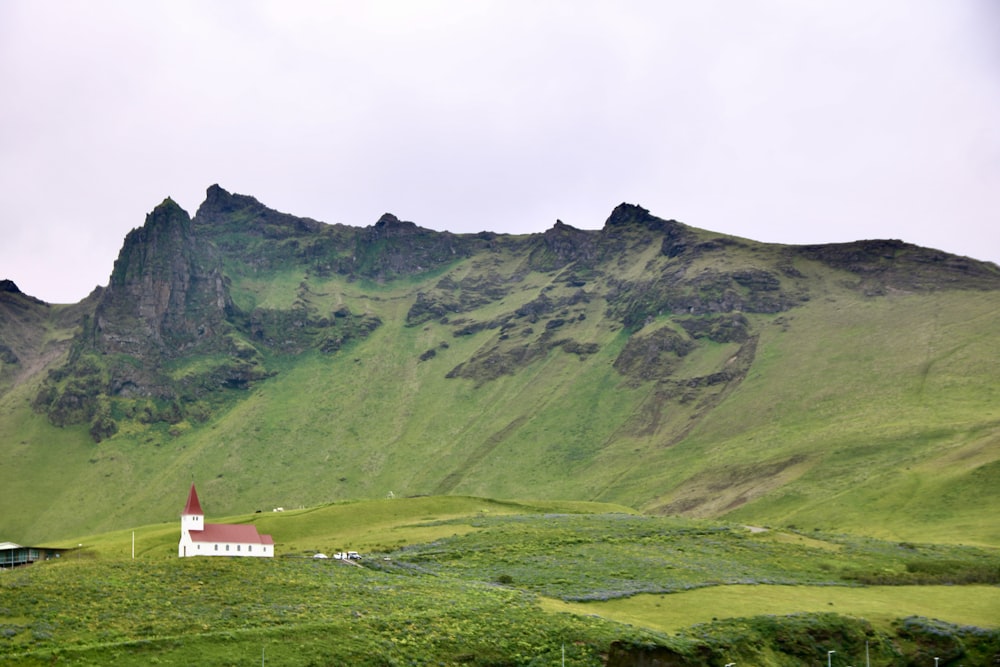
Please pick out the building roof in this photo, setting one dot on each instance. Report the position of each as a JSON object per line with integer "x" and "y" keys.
{"x": 193, "y": 506}
{"x": 233, "y": 533}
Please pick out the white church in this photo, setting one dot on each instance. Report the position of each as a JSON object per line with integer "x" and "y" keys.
{"x": 219, "y": 539}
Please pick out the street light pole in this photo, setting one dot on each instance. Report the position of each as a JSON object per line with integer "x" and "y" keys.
{"x": 828, "y": 658}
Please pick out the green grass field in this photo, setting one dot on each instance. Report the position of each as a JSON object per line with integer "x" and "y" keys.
{"x": 881, "y": 605}
{"x": 464, "y": 580}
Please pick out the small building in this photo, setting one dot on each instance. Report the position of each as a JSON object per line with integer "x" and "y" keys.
{"x": 14, "y": 555}
{"x": 219, "y": 539}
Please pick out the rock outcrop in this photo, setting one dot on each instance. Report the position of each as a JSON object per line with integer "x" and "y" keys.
{"x": 167, "y": 294}
{"x": 170, "y": 335}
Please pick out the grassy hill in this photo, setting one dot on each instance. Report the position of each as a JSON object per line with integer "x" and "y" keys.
{"x": 649, "y": 364}
{"x": 462, "y": 580}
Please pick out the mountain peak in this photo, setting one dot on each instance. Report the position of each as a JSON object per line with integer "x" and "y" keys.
{"x": 166, "y": 289}
{"x": 217, "y": 198}
{"x": 562, "y": 225}
{"x": 219, "y": 201}
{"x": 390, "y": 226}
{"x": 214, "y": 191}
{"x": 167, "y": 215}
{"x": 220, "y": 205}
{"x": 628, "y": 214}
{"x": 388, "y": 220}
{"x": 11, "y": 293}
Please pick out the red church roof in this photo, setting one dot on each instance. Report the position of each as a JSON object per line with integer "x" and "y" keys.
{"x": 233, "y": 533}
{"x": 193, "y": 506}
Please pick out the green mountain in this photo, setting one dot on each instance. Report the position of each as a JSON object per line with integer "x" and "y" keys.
{"x": 280, "y": 361}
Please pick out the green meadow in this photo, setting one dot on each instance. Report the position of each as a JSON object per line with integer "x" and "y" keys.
{"x": 972, "y": 605}
{"x": 465, "y": 580}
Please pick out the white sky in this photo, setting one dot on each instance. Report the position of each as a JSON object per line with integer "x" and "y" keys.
{"x": 776, "y": 120}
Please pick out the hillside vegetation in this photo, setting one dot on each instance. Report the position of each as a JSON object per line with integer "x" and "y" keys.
{"x": 280, "y": 361}
{"x": 452, "y": 580}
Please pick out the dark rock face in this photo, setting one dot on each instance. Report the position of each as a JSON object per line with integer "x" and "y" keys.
{"x": 166, "y": 291}
{"x": 241, "y": 213}
{"x": 168, "y": 304}
{"x": 562, "y": 245}
{"x": 7, "y": 355}
{"x": 452, "y": 296}
{"x": 303, "y": 327}
{"x": 890, "y": 264}
{"x": 706, "y": 292}
{"x": 653, "y": 356}
{"x": 729, "y": 328}
{"x": 391, "y": 227}
{"x": 11, "y": 294}
{"x": 168, "y": 299}
{"x": 631, "y": 214}
{"x": 393, "y": 248}
{"x": 496, "y": 361}
{"x": 676, "y": 239}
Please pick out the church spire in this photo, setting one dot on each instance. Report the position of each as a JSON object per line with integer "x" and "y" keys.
{"x": 193, "y": 506}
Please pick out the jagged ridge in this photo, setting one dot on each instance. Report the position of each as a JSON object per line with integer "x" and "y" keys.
{"x": 585, "y": 356}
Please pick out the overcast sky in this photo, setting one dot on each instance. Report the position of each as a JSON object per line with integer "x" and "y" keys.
{"x": 776, "y": 120}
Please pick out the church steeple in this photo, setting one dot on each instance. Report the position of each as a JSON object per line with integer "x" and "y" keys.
{"x": 193, "y": 506}
{"x": 192, "y": 518}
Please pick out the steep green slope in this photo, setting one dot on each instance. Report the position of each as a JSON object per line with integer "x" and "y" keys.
{"x": 876, "y": 416}
{"x": 648, "y": 364}
{"x": 34, "y": 335}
